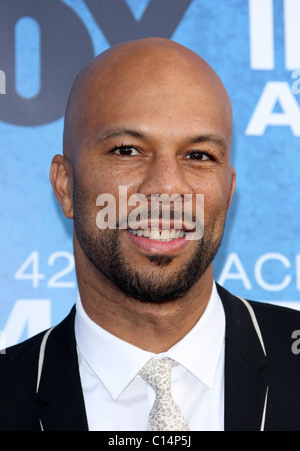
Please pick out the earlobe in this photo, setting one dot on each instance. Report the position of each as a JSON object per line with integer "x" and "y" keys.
{"x": 61, "y": 180}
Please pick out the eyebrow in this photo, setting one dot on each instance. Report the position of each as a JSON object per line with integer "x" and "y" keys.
{"x": 199, "y": 139}
{"x": 120, "y": 132}
{"x": 209, "y": 138}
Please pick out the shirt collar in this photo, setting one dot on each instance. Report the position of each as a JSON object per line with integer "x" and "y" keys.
{"x": 116, "y": 362}
{"x": 200, "y": 350}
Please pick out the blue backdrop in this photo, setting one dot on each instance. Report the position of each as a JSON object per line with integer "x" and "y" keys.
{"x": 254, "y": 47}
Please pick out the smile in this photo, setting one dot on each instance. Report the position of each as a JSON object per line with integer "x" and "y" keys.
{"x": 159, "y": 235}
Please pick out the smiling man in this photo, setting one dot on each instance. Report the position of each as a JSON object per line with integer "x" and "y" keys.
{"x": 153, "y": 343}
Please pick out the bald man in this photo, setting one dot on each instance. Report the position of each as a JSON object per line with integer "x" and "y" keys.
{"x": 153, "y": 342}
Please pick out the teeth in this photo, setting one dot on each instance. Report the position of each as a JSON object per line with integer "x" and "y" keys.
{"x": 165, "y": 235}
{"x": 172, "y": 234}
{"x": 155, "y": 234}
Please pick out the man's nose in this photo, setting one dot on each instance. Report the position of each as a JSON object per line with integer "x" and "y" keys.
{"x": 165, "y": 175}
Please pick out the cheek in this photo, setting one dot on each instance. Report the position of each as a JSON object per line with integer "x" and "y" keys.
{"x": 95, "y": 182}
{"x": 100, "y": 177}
{"x": 216, "y": 201}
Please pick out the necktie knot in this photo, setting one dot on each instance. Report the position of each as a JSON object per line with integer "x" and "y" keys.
{"x": 157, "y": 373}
{"x": 165, "y": 414}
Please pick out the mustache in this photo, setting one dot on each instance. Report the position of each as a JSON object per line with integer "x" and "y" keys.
{"x": 163, "y": 212}
{"x": 148, "y": 217}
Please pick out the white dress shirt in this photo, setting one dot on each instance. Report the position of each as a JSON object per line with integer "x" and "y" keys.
{"x": 118, "y": 399}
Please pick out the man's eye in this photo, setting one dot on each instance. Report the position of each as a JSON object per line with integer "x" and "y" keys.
{"x": 199, "y": 156}
{"x": 126, "y": 151}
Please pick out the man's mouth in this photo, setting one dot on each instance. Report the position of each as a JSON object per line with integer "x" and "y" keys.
{"x": 159, "y": 234}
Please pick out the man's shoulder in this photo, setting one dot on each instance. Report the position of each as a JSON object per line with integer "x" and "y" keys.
{"x": 23, "y": 357}
{"x": 276, "y": 315}
{"x": 20, "y": 370}
{"x": 266, "y": 311}
{"x": 278, "y": 325}
{"x": 18, "y": 382}
{"x": 21, "y": 354}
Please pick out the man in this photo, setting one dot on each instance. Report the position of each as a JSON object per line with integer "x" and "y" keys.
{"x": 153, "y": 117}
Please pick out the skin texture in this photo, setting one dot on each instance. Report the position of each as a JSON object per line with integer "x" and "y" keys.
{"x": 171, "y": 116}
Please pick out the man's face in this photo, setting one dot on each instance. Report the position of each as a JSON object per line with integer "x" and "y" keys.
{"x": 153, "y": 134}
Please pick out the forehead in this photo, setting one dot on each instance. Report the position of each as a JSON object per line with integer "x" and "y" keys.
{"x": 158, "y": 91}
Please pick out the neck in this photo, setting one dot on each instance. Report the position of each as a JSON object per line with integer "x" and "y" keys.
{"x": 152, "y": 327}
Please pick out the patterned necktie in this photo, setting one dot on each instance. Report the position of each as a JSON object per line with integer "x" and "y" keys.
{"x": 165, "y": 414}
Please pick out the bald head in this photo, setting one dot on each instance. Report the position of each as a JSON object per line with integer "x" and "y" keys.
{"x": 139, "y": 71}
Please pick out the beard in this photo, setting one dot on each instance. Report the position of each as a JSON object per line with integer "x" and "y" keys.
{"x": 159, "y": 285}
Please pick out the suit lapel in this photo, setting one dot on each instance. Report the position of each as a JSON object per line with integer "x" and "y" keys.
{"x": 246, "y": 387}
{"x": 60, "y": 392}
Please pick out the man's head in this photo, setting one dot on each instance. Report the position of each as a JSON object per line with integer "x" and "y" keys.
{"x": 154, "y": 117}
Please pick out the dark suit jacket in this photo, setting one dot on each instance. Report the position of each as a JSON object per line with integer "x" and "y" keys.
{"x": 262, "y": 375}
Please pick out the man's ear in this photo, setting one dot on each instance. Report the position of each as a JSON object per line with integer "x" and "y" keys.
{"x": 61, "y": 179}
{"x": 233, "y": 184}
